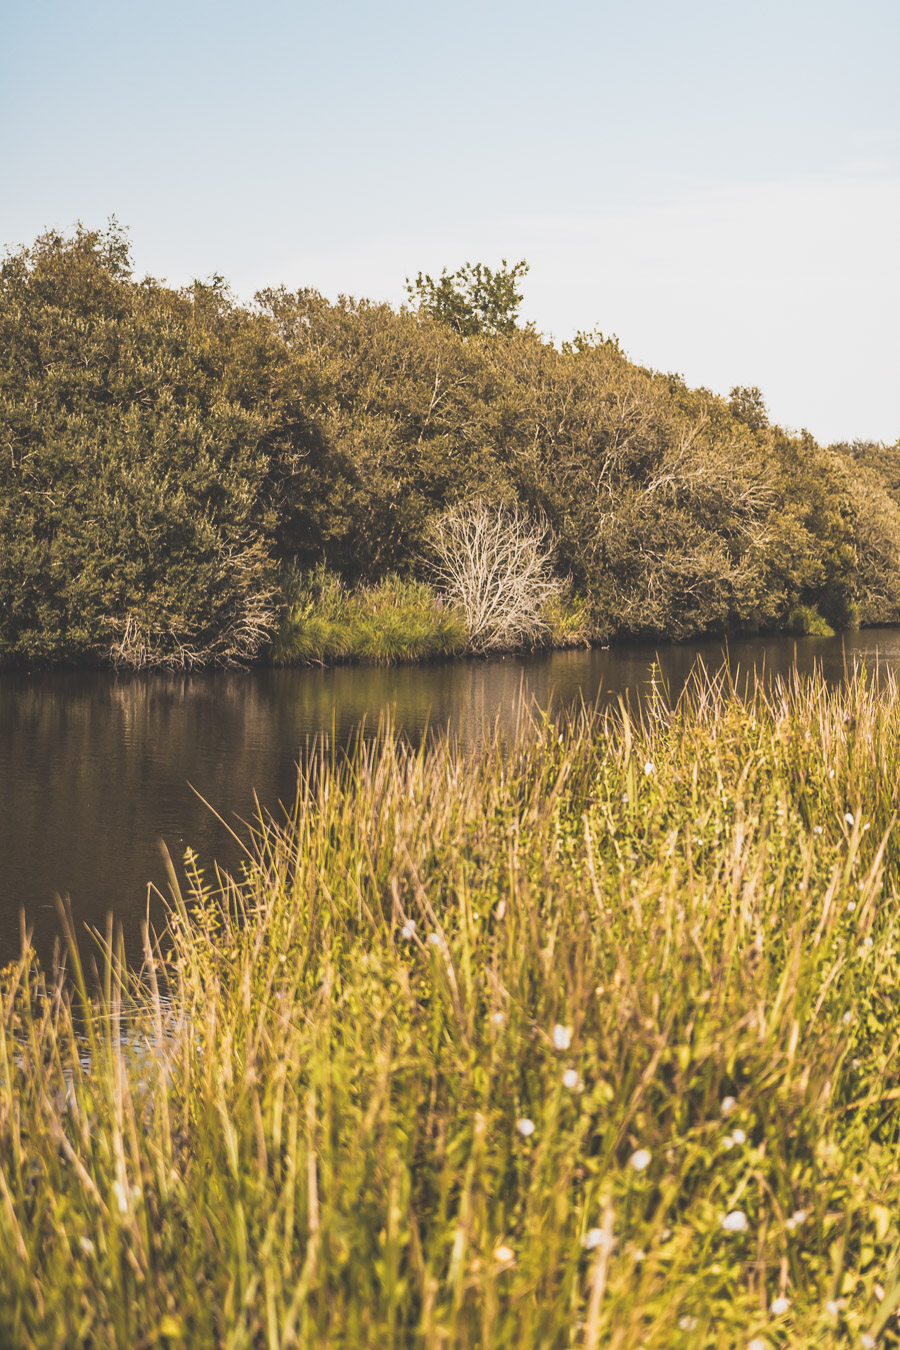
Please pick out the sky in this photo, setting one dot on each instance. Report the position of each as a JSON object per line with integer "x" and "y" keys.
{"x": 716, "y": 183}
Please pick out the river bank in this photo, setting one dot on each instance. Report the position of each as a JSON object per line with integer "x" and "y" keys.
{"x": 511, "y": 1046}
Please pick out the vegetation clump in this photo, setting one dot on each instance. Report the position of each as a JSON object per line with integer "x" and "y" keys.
{"x": 585, "y": 1039}
{"x": 169, "y": 458}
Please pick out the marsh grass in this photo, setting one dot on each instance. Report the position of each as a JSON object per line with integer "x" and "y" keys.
{"x": 391, "y": 622}
{"x": 669, "y": 943}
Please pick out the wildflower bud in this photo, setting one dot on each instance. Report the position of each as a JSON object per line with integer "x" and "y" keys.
{"x": 729, "y": 1104}
{"x": 739, "y": 1136}
{"x": 848, "y": 817}
{"x": 780, "y": 1305}
{"x": 641, "y": 1159}
{"x": 735, "y": 1222}
{"x": 562, "y": 1037}
{"x": 570, "y": 1079}
{"x": 504, "y": 1254}
{"x": 525, "y": 1126}
{"x": 408, "y": 928}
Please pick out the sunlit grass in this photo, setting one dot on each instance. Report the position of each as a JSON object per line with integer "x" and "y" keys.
{"x": 391, "y": 622}
{"x": 589, "y": 1040}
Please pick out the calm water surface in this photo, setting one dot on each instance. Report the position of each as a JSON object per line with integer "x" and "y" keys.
{"x": 96, "y": 769}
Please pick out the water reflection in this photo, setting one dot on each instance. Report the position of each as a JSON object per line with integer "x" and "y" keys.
{"x": 95, "y": 769}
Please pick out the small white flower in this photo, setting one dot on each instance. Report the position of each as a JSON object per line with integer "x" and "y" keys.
{"x": 780, "y": 1305}
{"x": 86, "y": 1246}
{"x": 817, "y": 829}
{"x": 562, "y": 1037}
{"x": 851, "y": 906}
{"x": 498, "y": 1019}
{"x": 847, "y": 1018}
{"x": 504, "y": 1254}
{"x": 121, "y": 1197}
{"x": 640, "y": 1159}
{"x": 687, "y": 1323}
{"x": 798, "y": 1217}
{"x": 848, "y": 816}
{"x": 878, "y": 1291}
{"x": 408, "y": 928}
{"x": 599, "y": 991}
{"x": 868, "y": 1341}
{"x": 434, "y": 939}
{"x": 735, "y": 1222}
{"x": 832, "y": 1308}
{"x": 501, "y": 909}
{"x": 594, "y": 1237}
{"x": 831, "y": 773}
{"x": 729, "y": 1104}
{"x": 739, "y": 1136}
{"x": 757, "y": 1344}
{"x": 649, "y": 767}
{"x": 728, "y": 1141}
{"x": 525, "y": 1126}
{"x": 639, "y": 1256}
{"x": 869, "y": 941}
{"x": 570, "y": 1079}
{"x": 867, "y": 826}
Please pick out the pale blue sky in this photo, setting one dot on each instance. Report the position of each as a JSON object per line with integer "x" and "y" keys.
{"x": 717, "y": 183}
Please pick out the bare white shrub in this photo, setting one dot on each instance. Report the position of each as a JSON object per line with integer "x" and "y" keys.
{"x": 495, "y": 562}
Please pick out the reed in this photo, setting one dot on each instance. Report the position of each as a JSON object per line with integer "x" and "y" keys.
{"x": 588, "y": 1039}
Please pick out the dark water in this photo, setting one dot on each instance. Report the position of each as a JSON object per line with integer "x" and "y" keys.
{"x": 96, "y": 769}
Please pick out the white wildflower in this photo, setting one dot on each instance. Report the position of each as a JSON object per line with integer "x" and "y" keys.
{"x": 687, "y": 1323}
{"x": 501, "y": 909}
{"x": 729, "y": 1104}
{"x": 757, "y": 1344}
{"x": 504, "y": 1254}
{"x": 739, "y": 1136}
{"x": 735, "y": 1222}
{"x": 640, "y": 1159}
{"x": 848, "y": 817}
{"x": 434, "y": 939}
{"x": 798, "y": 1217}
{"x": 728, "y": 1141}
{"x": 851, "y": 906}
{"x": 847, "y": 1018}
{"x": 868, "y": 1341}
{"x": 595, "y": 1237}
{"x": 780, "y": 1305}
{"x": 562, "y": 1037}
{"x": 498, "y": 1019}
{"x": 408, "y": 928}
{"x": 570, "y": 1079}
{"x": 817, "y": 829}
{"x": 831, "y": 773}
{"x": 86, "y": 1246}
{"x": 121, "y": 1197}
{"x": 649, "y": 767}
{"x": 525, "y": 1126}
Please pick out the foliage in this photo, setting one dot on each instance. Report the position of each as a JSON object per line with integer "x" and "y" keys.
{"x": 472, "y": 300}
{"x": 387, "y": 623}
{"x": 167, "y": 455}
{"x": 586, "y": 1039}
{"x": 806, "y": 622}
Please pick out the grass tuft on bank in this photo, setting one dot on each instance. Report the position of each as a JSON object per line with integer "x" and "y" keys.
{"x": 391, "y": 622}
{"x": 586, "y": 1040}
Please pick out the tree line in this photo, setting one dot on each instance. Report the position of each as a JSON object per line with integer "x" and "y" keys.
{"x": 172, "y": 460}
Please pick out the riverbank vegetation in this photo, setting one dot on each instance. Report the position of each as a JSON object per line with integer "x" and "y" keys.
{"x": 585, "y": 1040}
{"x": 169, "y": 457}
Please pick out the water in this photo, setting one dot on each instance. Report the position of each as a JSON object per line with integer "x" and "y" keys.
{"x": 96, "y": 769}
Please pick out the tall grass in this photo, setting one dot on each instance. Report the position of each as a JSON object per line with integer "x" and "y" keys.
{"x": 388, "y": 623}
{"x": 586, "y": 1040}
